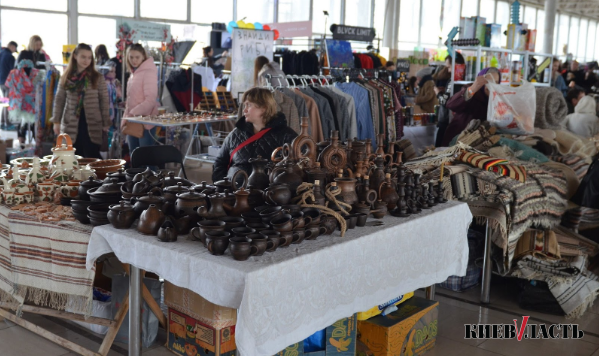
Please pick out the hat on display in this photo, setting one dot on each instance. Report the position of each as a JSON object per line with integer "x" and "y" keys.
{"x": 424, "y": 72}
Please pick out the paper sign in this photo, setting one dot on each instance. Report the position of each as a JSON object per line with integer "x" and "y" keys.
{"x": 145, "y": 31}
{"x": 292, "y": 29}
{"x": 247, "y": 46}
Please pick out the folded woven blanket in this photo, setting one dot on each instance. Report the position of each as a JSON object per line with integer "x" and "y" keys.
{"x": 496, "y": 165}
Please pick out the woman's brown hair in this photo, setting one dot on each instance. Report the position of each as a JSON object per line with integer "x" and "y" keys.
{"x": 139, "y": 48}
{"x": 32, "y": 41}
{"x": 101, "y": 53}
{"x": 258, "y": 64}
{"x": 72, "y": 67}
{"x": 264, "y": 99}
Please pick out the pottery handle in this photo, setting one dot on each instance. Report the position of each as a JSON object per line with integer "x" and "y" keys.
{"x": 273, "y": 156}
{"x": 67, "y": 140}
{"x": 254, "y": 250}
{"x": 307, "y": 220}
{"x": 322, "y": 230}
{"x": 193, "y": 235}
{"x": 209, "y": 247}
{"x": 308, "y": 234}
{"x": 295, "y": 223}
{"x": 234, "y": 179}
{"x": 269, "y": 244}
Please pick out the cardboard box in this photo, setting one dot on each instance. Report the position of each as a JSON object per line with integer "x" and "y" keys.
{"x": 190, "y": 337}
{"x": 531, "y": 40}
{"x": 467, "y": 27}
{"x": 340, "y": 340}
{"x": 480, "y": 28}
{"x": 492, "y": 35}
{"x": 193, "y": 305}
{"x": 514, "y": 37}
{"x": 377, "y": 310}
{"x": 411, "y": 330}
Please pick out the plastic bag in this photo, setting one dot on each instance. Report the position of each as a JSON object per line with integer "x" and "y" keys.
{"x": 512, "y": 109}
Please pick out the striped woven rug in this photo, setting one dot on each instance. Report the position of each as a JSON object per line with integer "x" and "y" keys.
{"x": 44, "y": 263}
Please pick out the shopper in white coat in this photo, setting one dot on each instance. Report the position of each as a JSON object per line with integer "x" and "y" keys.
{"x": 584, "y": 122}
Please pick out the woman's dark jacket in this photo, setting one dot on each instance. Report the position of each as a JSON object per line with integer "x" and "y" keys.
{"x": 279, "y": 134}
{"x": 464, "y": 112}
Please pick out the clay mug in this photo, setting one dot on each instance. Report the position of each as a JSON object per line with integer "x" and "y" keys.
{"x": 232, "y": 222}
{"x": 252, "y": 217}
{"x": 261, "y": 242}
{"x": 241, "y": 248}
{"x": 330, "y": 224}
{"x": 300, "y": 220}
{"x": 8, "y": 197}
{"x": 199, "y": 233}
{"x": 28, "y": 197}
{"x": 242, "y": 231}
{"x": 271, "y": 213}
{"x": 315, "y": 231}
{"x": 286, "y": 238}
{"x": 73, "y": 186}
{"x": 313, "y": 214}
{"x": 19, "y": 198}
{"x": 360, "y": 219}
{"x": 272, "y": 236}
{"x": 351, "y": 221}
{"x": 283, "y": 223}
{"x": 217, "y": 242}
{"x": 258, "y": 226}
{"x": 298, "y": 236}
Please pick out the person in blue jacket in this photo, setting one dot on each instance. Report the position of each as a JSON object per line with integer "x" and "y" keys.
{"x": 7, "y": 63}
{"x": 557, "y": 81}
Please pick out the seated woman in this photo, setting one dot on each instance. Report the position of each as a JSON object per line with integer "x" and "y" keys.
{"x": 470, "y": 103}
{"x": 584, "y": 121}
{"x": 258, "y": 133}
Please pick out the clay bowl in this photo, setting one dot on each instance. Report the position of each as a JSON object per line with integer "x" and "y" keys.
{"x": 81, "y": 217}
{"x": 98, "y": 211}
{"x": 100, "y": 198}
{"x": 98, "y": 222}
{"x": 86, "y": 161}
{"x": 106, "y": 166}
{"x": 80, "y": 206}
{"x": 251, "y": 217}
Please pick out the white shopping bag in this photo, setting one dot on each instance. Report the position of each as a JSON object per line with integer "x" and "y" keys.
{"x": 512, "y": 109}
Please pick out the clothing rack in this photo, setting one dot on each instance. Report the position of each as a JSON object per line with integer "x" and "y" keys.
{"x": 303, "y": 79}
{"x": 365, "y": 73}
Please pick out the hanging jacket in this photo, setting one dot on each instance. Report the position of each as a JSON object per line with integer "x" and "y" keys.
{"x": 95, "y": 105}
{"x": 584, "y": 122}
{"x": 426, "y": 98}
{"x": 7, "y": 63}
{"x": 21, "y": 87}
{"x": 179, "y": 86}
{"x": 142, "y": 91}
{"x": 278, "y": 135}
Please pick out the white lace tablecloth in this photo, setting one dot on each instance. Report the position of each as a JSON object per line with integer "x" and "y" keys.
{"x": 285, "y": 296}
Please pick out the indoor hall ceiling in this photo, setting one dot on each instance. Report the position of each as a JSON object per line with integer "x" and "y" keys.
{"x": 587, "y": 8}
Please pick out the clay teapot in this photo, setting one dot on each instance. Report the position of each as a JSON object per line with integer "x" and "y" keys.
{"x": 86, "y": 185}
{"x": 230, "y": 184}
{"x": 380, "y": 209}
{"x": 204, "y": 188}
{"x": 316, "y": 173}
{"x": 348, "y": 190}
{"x": 173, "y": 180}
{"x": 259, "y": 178}
{"x": 167, "y": 232}
{"x": 387, "y": 193}
{"x": 121, "y": 216}
{"x": 120, "y": 175}
{"x": 216, "y": 207}
{"x": 170, "y": 192}
{"x": 289, "y": 177}
{"x": 188, "y": 203}
{"x": 333, "y": 157}
{"x": 142, "y": 203}
{"x": 241, "y": 203}
{"x": 277, "y": 194}
{"x": 150, "y": 220}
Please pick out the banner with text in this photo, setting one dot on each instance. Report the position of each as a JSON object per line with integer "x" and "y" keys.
{"x": 292, "y": 29}
{"x": 352, "y": 33}
{"x": 145, "y": 31}
{"x": 247, "y": 46}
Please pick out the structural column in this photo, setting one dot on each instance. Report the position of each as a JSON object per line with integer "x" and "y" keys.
{"x": 550, "y": 13}
{"x": 72, "y": 18}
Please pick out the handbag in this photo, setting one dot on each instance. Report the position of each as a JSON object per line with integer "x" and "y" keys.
{"x": 133, "y": 129}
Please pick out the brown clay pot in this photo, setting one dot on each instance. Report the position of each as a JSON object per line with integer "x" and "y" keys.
{"x": 259, "y": 178}
{"x": 387, "y": 193}
{"x": 216, "y": 207}
{"x": 142, "y": 203}
{"x": 241, "y": 203}
{"x": 241, "y": 248}
{"x": 348, "y": 190}
{"x": 150, "y": 220}
{"x": 167, "y": 232}
{"x": 290, "y": 178}
{"x": 121, "y": 216}
{"x": 188, "y": 203}
{"x": 86, "y": 185}
{"x": 217, "y": 242}
{"x": 278, "y": 194}
{"x": 199, "y": 233}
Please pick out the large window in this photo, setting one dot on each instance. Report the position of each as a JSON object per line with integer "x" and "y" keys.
{"x": 451, "y": 17}
{"x": 55, "y": 5}
{"x": 293, "y": 10}
{"x": 207, "y": 11}
{"x": 562, "y": 34}
{"x": 429, "y": 30}
{"x": 503, "y": 15}
{"x": 573, "y": 41}
{"x": 379, "y": 17}
{"x": 596, "y": 46}
{"x": 256, "y": 10}
{"x": 158, "y": 9}
{"x": 88, "y": 32}
{"x": 333, "y": 7}
{"x": 409, "y": 19}
{"x": 591, "y": 41}
{"x": 582, "y": 39}
{"x": 469, "y": 7}
{"x": 106, "y": 7}
{"x": 530, "y": 17}
{"x": 357, "y": 12}
{"x": 487, "y": 10}
{"x": 540, "y": 31}
{"x": 14, "y": 28}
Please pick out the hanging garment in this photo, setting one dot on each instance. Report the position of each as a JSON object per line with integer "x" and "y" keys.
{"x": 350, "y": 107}
{"x": 364, "y": 122}
{"x": 327, "y": 120}
{"x": 286, "y": 105}
{"x": 315, "y": 126}
{"x": 334, "y": 104}
{"x": 179, "y": 85}
{"x": 21, "y": 92}
{"x": 208, "y": 79}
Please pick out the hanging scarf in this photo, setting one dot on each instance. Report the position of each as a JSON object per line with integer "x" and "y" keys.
{"x": 78, "y": 83}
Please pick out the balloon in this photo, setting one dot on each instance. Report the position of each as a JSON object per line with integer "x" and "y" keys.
{"x": 266, "y": 27}
{"x": 257, "y": 25}
{"x": 250, "y": 26}
{"x": 241, "y": 24}
{"x": 276, "y": 34}
{"x": 231, "y": 25}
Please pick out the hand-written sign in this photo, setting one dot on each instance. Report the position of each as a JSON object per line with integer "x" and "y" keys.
{"x": 145, "y": 31}
{"x": 403, "y": 65}
{"x": 352, "y": 33}
{"x": 247, "y": 46}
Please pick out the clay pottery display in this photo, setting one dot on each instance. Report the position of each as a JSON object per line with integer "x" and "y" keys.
{"x": 106, "y": 166}
{"x": 329, "y": 223}
{"x": 86, "y": 185}
{"x": 132, "y": 172}
{"x": 216, "y": 209}
{"x": 333, "y": 157}
{"x": 377, "y": 173}
{"x": 261, "y": 243}
{"x": 232, "y": 222}
{"x": 188, "y": 203}
{"x": 348, "y": 190}
{"x": 241, "y": 203}
{"x": 380, "y": 209}
{"x": 274, "y": 237}
{"x": 277, "y": 194}
{"x": 255, "y": 197}
{"x": 173, "y": 180}
{"x": 365, "y": 194}
{"x": 119, "y": 175}
{"x": 252, "y": 217}
{"x": 144, "y": 202}
{"x": 313, "y": 214}
{"x": 360, "y": 219}
{"x": 242, "y": 231}
{"x": 299, "y": 220}
{"x": 388, "y": 193}
{"x": 440, "y": 192}
{"x": 259, "y": 178}
{"x": 217, "y": 242}
{"x": 258, "y": 226}
{"x": 350, "y": 221}
{"x": 401, "y": 210}
{"x": 290, "y": 178}
{"x": 317, "y": 230}
{"x": 199, "y": 233}
{"x": 271, "y": 213}
{"x": 431, "y": 195}
{"x": 170, "y": 193}
{"x": 230, "y": 184}
{"x": 316, "y": 173}
{"x": 167, "y": 232}
{"x": 283, "y": 223}
{"x": 121, "y": 216}
{"x": 241, "y": 248}
{"x": 150, "y": 220}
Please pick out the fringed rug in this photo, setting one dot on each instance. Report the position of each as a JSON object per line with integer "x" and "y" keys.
{"x": 44, "y": 263}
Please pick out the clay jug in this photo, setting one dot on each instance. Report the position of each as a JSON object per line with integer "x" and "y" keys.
{"x": 259, "y": 178}
{"x": 377, "y": 173}
{"x": 364, "y": 192}
{"x": 333, "y": 157}
{"x": 216, "y": 207}
{"x": 358, "y": 151}
{"x": 230, "y": 184}
{"x": 319, "y": 199}
{"x": 387, "y": 193}
{"x": 348, "y": 190}
{"x": 241, "y": 203}
{"x": 303, "y": 146}
{"x": 255, "y": 197}
{"x": 277, "y": 194}
{"x": 150, "y": 220}
{"x": 290, "y": 178}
